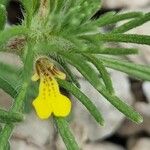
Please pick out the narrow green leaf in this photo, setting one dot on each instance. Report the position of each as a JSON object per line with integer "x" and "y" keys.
{"x": 8, "y": 88}
{"x": 89, "y": 8}
{"x": 52, "y": 4}
{"x": 127, "y": 38}
{"x": 36, "y": 4}
{"x": 56, "y": 44}
{"x": 123, "y": 107}
{"x": 4, "y": 135}
{"x": 70, "y": 75}
{"x": 87, "y": 27}
{"x": 93, "y": 110}
{"x": 103, "y": 72}
{"x": 89, "y": 73}
{"x": 2, "y": 17}
{"x": 111, "y": 51}
{"x": 67, "y": 136}
{"x": 9, "y": 79}
{"x": 68, "y": 5}
{"x": 9, "y": 117}
{"x": 84, "y": 68}
{"x": 9, "y": 33}
{"x": 91, "y": 43}
{"x": 134, "y": 70}
{"x": 28, "y": 61}
{"x": 59, "y": 5}
{"x": 112, "y": 18}
{"x": 132, "y": 24}
{"x": 104, "y": 18}
{"x": 29, "y": 10}
{"x": 70, "y": 19}
{"x": 8, "y": 146}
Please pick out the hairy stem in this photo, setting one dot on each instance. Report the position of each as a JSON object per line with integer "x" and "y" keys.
{"x": 19, "y": 102}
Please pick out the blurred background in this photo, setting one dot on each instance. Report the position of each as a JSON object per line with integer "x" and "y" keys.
{"x": 118, "y": 132}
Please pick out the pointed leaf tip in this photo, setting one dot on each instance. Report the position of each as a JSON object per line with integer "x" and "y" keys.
{"x": 139, "y": 119}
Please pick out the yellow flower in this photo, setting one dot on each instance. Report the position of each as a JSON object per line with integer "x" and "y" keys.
{"x": 50, "y": 100}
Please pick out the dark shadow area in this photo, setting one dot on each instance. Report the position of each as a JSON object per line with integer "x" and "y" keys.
{"x": 14, "y": 11}
{"x": 137, "y": 90}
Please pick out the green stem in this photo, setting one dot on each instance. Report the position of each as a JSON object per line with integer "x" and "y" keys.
{"x": 4, "y": 135}
{"x": 20, "y": 98}
{"x": 6, "y": 132}
{"x": 67, "y": 136}
{"x": 18, "y": 104}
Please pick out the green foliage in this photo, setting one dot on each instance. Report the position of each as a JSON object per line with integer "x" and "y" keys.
{"x": 4, "y": 135}
{"x": 132, "y": 24}
{"x": 111, "y": 18}
{"x": 67, "y": 136}
{"x": 93, "y": 110}
{"x": 111, "y": 51}
{"x": 102, "y": 71}
{"x": 4, "y": 2}
{"x": 87, "y": 71}
{"x": 66, "y": 32}
{"x": 9, "y": 33}
{"x": 134, "y": 70}
{"x": 8, "y": 117}
{"x": 2, "y": 16}
{"x": 118, "y": 37}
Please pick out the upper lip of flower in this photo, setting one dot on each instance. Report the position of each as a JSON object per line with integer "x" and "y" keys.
{"x": 44, "y": 66}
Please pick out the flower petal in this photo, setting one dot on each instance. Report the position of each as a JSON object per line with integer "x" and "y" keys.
{"x": 43, "y": 109}
{"x": 59, "y": 74}
{"x": 61, "y": 106}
